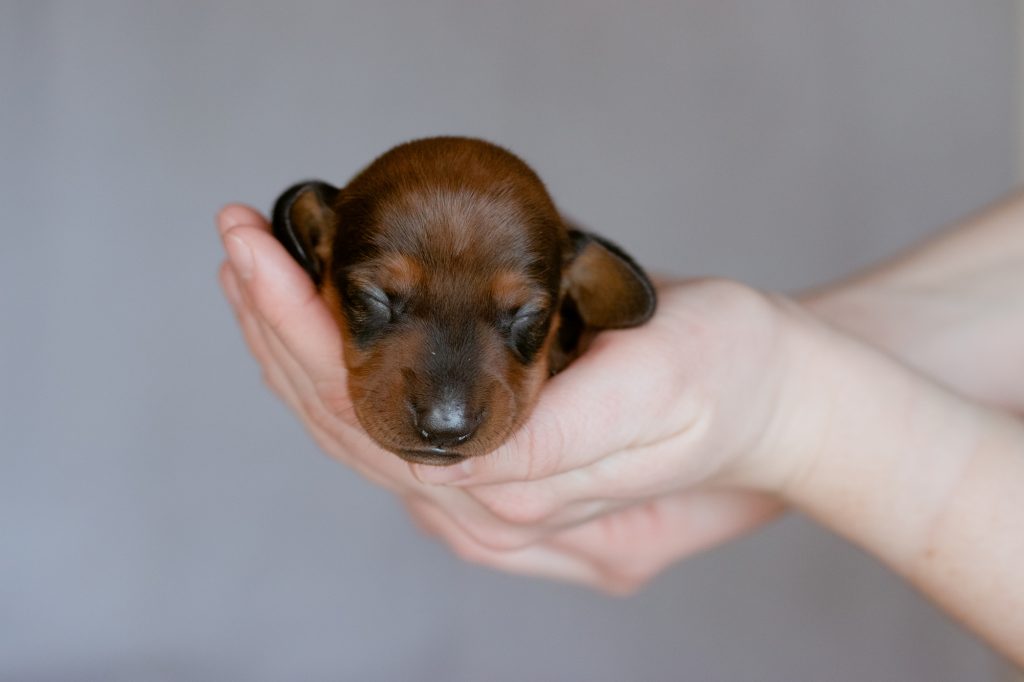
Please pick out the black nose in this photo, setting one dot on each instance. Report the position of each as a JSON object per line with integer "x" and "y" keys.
{"x": 446, "y": 423}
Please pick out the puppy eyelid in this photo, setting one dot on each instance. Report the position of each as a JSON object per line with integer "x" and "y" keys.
{"x": 377, "y": 295}
{"x": 529, "y": 309}
{"x": 359, "y": 288}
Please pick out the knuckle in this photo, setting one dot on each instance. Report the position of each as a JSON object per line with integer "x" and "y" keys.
{"x": 257, "y": 351}
{"x": 739, "y": 301}
{"x": 503, "y": 541}
{"x": 515, "y": 508}
{"x": 281, "y": 315}
{"x": 468, "y": 551}
{"x": 721, "y": 298}
{"x": 621, "y": 587}
{"x": 315, "y": 411}
{"x": 496, "y": 538}
{"x": 270, "y": 381}
{"x": 275, "y": 319}
{"x": 726, "y": 291}
{"x": 634, "y": 575}
{"x": 472, "y": 550}
{"x": 223, "y": 272}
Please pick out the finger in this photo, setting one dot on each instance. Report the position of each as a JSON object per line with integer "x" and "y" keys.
{"x": 476, "y": 521}
{"x": 358, "y": 452}
{"x": 326, "y": 403}
{"x": 347, "y": 445}
{"x": 229, "y": 285}
{"x": 617, "y": 480}
{"x": 538, "y": 560}
{"x": 284, "y": 297}
{"x": 557, "y": 437}
{"x": 247, "y": 324}
{"x": 319, "y": 406}
{"x": 234, "y": 215}
{"x": 279, "y": 369}
{"x": 273, "y": 374}
{"x": 638, "y": 542}
{"x": 589, "y": 411}
{"x": 540, "y": 506}
{"x": 336, "y": 431}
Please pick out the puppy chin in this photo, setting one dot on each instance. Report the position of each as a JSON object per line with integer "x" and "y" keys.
{"x": 432, "y": 456}
{"x": 421, "y": 453}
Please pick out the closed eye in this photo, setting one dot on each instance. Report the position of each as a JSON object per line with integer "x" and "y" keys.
{"x": 520, "y": 318}
{"x": 530, "y": 310}
{"x": 370, "y": 310}
{"x": 376, "y": 301}
{"x": 525, "y": 328}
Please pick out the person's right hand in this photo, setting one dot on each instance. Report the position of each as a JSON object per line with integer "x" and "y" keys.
{"x": 293, "y": 338}
{"x": 297, "y": 345}
{"x": 762, "y": 397}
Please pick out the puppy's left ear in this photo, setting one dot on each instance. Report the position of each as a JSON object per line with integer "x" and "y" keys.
{"x": 608, "y": 287}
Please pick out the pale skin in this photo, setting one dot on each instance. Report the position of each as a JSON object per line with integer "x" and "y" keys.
{"x": 881, "y": 407}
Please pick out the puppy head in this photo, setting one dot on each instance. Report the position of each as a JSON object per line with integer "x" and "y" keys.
{"x": 457, "y": 288}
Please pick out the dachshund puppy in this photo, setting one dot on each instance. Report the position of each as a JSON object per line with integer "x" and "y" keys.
{"x": 458, "y": 290}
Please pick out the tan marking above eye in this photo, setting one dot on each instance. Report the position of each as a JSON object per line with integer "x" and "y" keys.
{"x": 394, "y": 273}
{"x": 511, "y": 290}
{"x": 399, "y": 273}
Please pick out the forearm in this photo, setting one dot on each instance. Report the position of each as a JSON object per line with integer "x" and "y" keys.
{"x": 952, "y": 307}
{"x": 930, "y": 483}
{"x": 974, "y": 562}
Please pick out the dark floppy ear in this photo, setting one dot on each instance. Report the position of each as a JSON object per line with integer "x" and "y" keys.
{"x": 609, "y": 288}
{"x": 304, "y": 221}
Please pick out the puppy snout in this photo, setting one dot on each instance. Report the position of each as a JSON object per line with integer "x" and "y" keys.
{"x": 447, "y": 422}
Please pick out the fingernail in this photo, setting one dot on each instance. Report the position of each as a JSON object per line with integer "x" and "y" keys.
{"x": 440, "y": 475}
{"x": 240, "y": 255}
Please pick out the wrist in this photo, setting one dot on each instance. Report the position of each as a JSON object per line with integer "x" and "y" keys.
{"x": 891, "y": 451}
{"x": 824, "y": 388}
{"x": 929, "y": 483}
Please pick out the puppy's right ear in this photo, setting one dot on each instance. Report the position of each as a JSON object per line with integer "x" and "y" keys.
{"x": 305, "y": 222}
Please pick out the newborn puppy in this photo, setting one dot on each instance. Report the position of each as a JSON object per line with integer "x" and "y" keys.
{"x": 458, "y": 290}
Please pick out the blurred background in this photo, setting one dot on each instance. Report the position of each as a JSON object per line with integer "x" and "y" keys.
{"x": 163, "y": 517}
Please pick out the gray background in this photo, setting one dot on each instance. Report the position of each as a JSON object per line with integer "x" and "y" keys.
{"x": 162, "y": 517}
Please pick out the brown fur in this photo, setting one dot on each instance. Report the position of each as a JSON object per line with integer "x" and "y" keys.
{"x": 448, "y": 270}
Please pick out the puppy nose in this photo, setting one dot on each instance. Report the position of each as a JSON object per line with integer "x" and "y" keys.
{"x": 447, "y": 422}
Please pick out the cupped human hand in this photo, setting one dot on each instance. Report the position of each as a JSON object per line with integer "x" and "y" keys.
{"x": 659, "y": 442}
{"x": 596, "y": 487}
{"x": 292, "y": 336}
{"x": 670, "y": 438}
